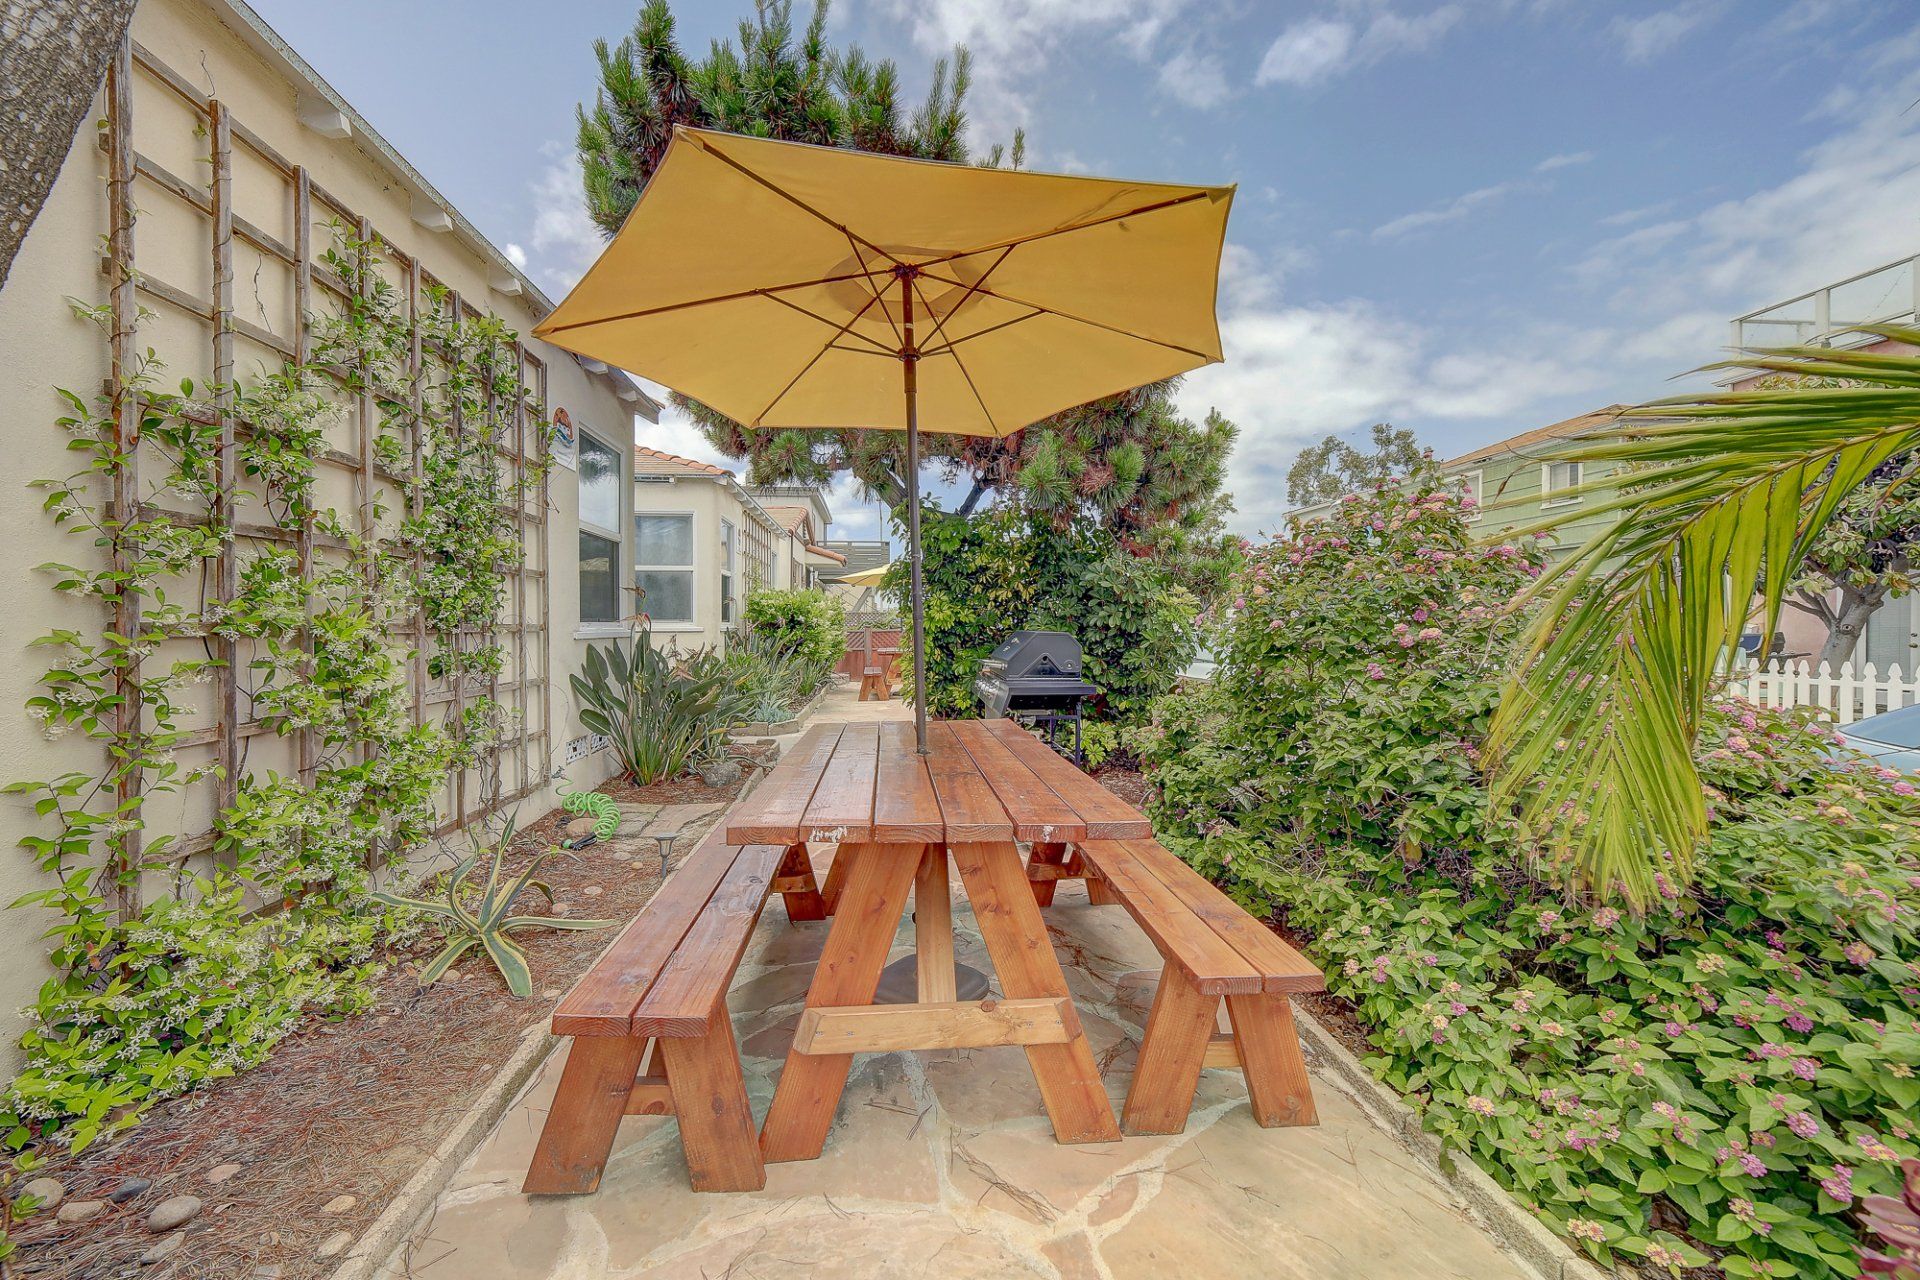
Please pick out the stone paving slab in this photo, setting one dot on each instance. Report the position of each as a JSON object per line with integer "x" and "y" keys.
{"x": 942, "y": 1165}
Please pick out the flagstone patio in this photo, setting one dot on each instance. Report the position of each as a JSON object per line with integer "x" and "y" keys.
{"x": 943, "y": 1163}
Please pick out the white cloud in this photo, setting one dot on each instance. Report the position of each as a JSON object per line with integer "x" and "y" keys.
{"x": 1645, "y": 38}
{"x": 1565, "y": 160}
{"x": 1014, "y": 41}
{"x": 1447, "y": 211}
{"x": 516, "y": 255}
{"x": 1314, "y": 51}
{"x": 1195, "y": 79}
{"x": 564, "y": 241}
{"x": 1307, "y": 53}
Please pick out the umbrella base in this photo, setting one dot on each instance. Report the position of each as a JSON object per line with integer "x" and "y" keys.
{"x": 900, "y": 982}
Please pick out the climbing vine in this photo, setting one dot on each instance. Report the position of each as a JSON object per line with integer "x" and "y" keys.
{"x": 275, "y": 920}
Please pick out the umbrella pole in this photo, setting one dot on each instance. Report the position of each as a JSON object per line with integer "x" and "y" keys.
{"x": 910, "y": 367}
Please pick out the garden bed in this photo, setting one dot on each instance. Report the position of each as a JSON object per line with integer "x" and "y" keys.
{"x": 306, "y": 1150}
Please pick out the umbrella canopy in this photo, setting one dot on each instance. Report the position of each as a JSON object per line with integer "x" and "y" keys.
{"x": 788, "y": 285}
{"x": 866, "y": 577}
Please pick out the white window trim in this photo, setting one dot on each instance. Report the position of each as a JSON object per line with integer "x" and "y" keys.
{"x": 1547, "y": 501}
{"x": 693, "y": 598}
{"x": 1477, "y": 491}
{"x": 727, "y": 576}
{"x": 614, "y": 536}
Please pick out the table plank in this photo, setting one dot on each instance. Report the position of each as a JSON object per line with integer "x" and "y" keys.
{"x": 970, "y": 809}
{"x": 772, "y": 813}
{"x": 682, "y": 1002}
{"x": 841, "y": 810}
{"x": 1107, "y": 816}
{"x": 1183, "y": 937}
{"x": 1282, "y": 968}
{"x": 1038, "y": 813}
{"x": 905, "y": 808}
{"x": 603, "y": 1001}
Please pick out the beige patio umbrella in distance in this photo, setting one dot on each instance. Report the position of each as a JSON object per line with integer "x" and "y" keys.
{"x": 789, "y": 285}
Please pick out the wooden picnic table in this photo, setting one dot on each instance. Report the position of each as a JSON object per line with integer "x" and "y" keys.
{"x": 897, "y": 816}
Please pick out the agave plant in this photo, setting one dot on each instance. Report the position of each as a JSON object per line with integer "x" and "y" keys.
{"x": 660, "y": 715}
{"x": 1594, "y": 736}
{"x": 487, "y": 920}
{"x": 769, "y": 677}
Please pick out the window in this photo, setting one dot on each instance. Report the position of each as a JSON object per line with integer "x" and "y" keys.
{"x": 600, "y": 521}
{"x": 1556, "y": 479}
{"x": 663, "y": 566}
{"x": 726, "y": 573}
{"x": 1473, "y": 485}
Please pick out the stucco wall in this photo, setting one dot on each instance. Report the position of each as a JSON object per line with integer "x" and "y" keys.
{"x": 708, "y": 502}
{"x": 43, "y": 346}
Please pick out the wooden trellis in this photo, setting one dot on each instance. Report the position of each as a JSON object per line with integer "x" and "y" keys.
{"x": 525, "y": 636}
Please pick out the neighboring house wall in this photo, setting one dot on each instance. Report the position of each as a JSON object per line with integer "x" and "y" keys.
{"x": 218, "y": 46}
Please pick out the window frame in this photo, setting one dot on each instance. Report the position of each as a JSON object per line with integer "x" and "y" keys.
{"x": 1547, "y": 489}
{"x": 593, "y": 528}
{"x": 1474, "y": 483}
{"x": 729, "y": 573}
{"x": 692, "y": 569}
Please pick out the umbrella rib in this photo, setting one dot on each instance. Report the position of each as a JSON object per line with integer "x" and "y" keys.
{"x": 767, "y": 291}
{"x": 980, "y": 333}
{"x": 1068, "y": 315}
{"x": 940, "y": 325}
{"x": 839, "y": 329}
{"x": 796, "y": 201}
{"x": 1101, "y": 221}
{"x": 867, "y": 280}
{"x": 808, "y": 367}
{"x": 984, "y": 411}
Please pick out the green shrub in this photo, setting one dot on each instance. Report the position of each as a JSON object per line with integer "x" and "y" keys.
{"x": 1738, "y": 1063}
{"x": 812, "y": 624}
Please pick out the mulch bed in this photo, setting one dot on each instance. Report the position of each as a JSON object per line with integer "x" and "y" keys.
{"x": 347, "y": 1107}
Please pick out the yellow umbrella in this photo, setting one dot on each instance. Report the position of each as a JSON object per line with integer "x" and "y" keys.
{"x": 866, "y": 577}
{"x": 770, "y": 280}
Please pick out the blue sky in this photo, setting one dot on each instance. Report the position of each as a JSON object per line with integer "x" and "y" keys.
{"x": 1470, "y": 218}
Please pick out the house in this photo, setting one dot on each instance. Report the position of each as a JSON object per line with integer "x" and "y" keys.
{"x": 1532, "y": 476}
{"x": 703, "y": 541}
{"x": 1526, "y": 478}
{"x": 197, "y": 220}
{"x": 1822, "y": 317}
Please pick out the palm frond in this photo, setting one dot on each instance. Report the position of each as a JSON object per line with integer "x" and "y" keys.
{"x": 1594, "y": 736}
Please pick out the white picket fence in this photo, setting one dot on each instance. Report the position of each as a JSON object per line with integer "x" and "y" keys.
{"x": 1848, "y": 695}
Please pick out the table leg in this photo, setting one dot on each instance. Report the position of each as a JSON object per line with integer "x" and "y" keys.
{"x": 873, "y": 894}
{"x": 1016, "y": 939}
{"x": 933, "y": 928}
{"x": 1172, "y": 1052}
{"x": 1046, "y": 855}
{"x": 1277, "y": 1081}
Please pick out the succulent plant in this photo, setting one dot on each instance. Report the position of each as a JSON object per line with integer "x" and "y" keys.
{"x": 486, "y": 921}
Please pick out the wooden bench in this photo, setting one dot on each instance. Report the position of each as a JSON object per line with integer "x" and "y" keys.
{"x": 662, "y": 987}
{"x": 1213, "y": 950}
{"x": 874, "y": 685}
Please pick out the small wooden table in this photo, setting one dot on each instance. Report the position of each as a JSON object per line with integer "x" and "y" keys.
{"x": 897, "y": 816}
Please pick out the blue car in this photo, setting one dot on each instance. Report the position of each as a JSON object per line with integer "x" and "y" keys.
{"x": 1891, "y": 739}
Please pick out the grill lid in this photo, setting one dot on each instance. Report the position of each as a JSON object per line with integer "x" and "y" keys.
{"x": 1035, "y": 655}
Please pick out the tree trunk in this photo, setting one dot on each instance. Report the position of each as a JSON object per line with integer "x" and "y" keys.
{"x": 1848, "y": 625}
{"x": 53, "y": 55}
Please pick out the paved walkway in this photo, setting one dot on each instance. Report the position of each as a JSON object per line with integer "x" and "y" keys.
{"x": 941, "y": 1166}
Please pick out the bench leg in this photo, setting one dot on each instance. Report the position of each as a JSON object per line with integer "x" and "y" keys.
{"x": 710, "y": 1099}
{"x": 1171, "y": 1054}
{"x": 1046, "y": 855}
{"x": 1269, "y": 1046}
{"x": 876, "y": 883}
{"x": 585, "y": 1116}
{"x": 805, "y": 904}
{"x": 1022, "y": 953}
{"x": 1099, "y": 892}
{"x": 836, "y": 880}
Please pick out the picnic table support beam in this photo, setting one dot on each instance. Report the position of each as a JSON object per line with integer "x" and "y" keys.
{"x": 585, "y": 1115}
{"x": 797, "y": 886}
{"x": 1172, "y": 1052}
{"x": 933, "y": 929}
{"x": 1022, "y": 953}
{"x": 875, "y": 889}
{"x": 1268, "y": 1046}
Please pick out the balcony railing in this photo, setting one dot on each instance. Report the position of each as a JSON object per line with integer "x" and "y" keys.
{"x": 1883, "y": 295}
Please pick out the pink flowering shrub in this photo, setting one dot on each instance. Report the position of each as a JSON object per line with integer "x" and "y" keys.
{"x": 1725, "y": 1081}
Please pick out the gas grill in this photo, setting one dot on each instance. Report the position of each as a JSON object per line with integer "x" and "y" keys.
{"x": 1035, "y": 676}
